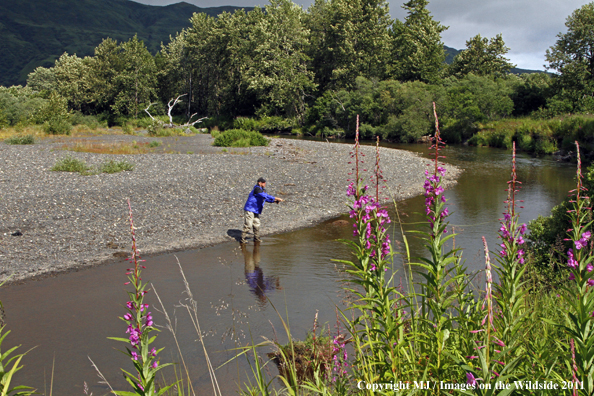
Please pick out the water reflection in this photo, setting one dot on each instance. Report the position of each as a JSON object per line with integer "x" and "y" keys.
{"x": 259, "y": 284}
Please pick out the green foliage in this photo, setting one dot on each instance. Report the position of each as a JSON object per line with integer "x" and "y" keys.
{"x": 7, "y": 371}
{"x": 240, "y": 138}
{"x": 71, "y": 164}
{"x": 472, "y": 100}
{"x": 36, "y": 35}
{"x": 417, "y": 52}
{"x": 573, "y": 57}
{"x": 57, "y": 126}
{"x": 348, "y": 39}
{"x": 80, "y": 119}
{"x": 20, "y": 139}
{"x": 156, "y": 129}
{"x": 531, "y": 93}
{"x": 155, "y": 143}
{"x": 482, "y": 57}
{"x": 19, "y": 105}
{"x": 112, "y": 166}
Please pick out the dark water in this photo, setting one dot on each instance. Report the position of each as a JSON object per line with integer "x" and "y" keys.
{"x": 69, "y": 317}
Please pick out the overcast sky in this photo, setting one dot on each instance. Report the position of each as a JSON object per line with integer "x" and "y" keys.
{"x": 528, "y": 27}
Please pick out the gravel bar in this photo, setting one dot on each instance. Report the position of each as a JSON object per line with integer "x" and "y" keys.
{"x": 58, "y": 221}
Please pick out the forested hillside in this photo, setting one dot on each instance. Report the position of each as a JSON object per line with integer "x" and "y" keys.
{"x": 36, "y": 32}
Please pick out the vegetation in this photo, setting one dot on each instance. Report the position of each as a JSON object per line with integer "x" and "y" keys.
{"x": 112, "y": 166}
{"x": 35, "y": 34}
{"x": 20, "y": 139}
{"x": 240, "y": 138}
{"x": 71, "y": 164}
{"x": 281, "y": 69}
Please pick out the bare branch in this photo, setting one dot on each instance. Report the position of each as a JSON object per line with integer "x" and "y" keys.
{"x": 147, "y": 111}
{"x": 189, "y": 123}
{"x": 171, "y": 106}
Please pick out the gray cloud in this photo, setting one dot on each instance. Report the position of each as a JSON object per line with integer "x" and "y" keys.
{"x": 528, "y": 27}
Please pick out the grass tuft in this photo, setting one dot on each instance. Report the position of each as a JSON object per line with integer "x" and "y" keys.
{"x": 108, "y": 148}
{"x": 71, "y": 164}
{"x": 116, "y": 166}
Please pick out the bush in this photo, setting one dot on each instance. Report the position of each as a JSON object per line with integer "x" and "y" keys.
{"x": 71, "y": 164}
{"x": 115, "y": 167}
{"x": 80, "y": 119}
{"x": 57, "y": 126}
{"x": 20, "y": 139}
{"x": 154, "y": 143}
{"x": 235, "y": 137}
{"x": 128, "y": 128}
{"x": 156, "y": 129}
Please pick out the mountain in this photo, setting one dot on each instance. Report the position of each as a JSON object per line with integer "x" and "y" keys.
{"x": 36, "y": 32}
{"x": 452, "y": 52}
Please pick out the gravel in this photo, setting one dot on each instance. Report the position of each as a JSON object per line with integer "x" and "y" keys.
{"x": 57, "y": 221}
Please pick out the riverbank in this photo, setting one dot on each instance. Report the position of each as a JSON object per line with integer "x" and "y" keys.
{"x": 58, "y": 221}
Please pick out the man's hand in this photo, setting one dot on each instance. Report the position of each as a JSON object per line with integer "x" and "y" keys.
{"x": 277, "y": 200}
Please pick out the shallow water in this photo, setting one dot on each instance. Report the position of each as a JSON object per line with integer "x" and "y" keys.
{"x": 69, "y": 317}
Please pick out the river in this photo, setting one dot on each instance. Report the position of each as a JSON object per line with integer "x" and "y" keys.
{"x": 68, "y": 318}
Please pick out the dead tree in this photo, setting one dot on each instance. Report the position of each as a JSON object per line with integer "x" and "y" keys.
{"x": 170, "y": 107}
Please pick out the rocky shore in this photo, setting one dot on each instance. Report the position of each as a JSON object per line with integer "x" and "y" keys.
{"x": 56, "y": 221}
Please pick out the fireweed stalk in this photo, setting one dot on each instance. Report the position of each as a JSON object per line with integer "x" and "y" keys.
{"x": 439, "y": 270}
{"x": 580, "y": 295}
{"x": 510, "y": 266}
{"x": 140, "y": 324}
{"x": 486, "y": 364}
{"x": 375, "y": 328}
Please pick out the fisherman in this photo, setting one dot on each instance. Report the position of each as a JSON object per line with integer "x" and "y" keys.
{"x": 253, "y": 208}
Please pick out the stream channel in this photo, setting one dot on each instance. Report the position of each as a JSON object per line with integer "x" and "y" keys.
{"x": 68, "y": 318}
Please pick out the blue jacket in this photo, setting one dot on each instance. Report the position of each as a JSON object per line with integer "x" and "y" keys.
{"x": 255, "y": 201}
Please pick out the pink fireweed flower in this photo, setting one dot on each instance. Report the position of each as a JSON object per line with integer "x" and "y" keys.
{"x": 571, "y": 262}
{"x": 128, "y": 317}
{"x": 589, "y": 267}
{"x": 155, "y": 364}
{"x": 590, "y": 282}
{"x": 134, "y": 355}
{"x": 471, "y": 380}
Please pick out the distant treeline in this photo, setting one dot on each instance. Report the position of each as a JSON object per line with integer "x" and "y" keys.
{"x": 316, "y": 69}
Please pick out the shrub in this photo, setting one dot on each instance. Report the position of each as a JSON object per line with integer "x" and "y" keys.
{"x": 71, "y": 164}
{"x": 57, "y": 126}
{"x": 115, "y": 167}
{"x": 154, "y": 143}
{"x": 248, "y": 124}
{"x": 215, "y": 132}
{"x": 156, "y": 129}
{"x": 233, "y": 137}
{"x": 80, "y": 119}
{"x": 20, "y": 139}
{"x": 127, "y": 128}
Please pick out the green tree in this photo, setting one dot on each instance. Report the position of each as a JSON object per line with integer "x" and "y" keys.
{"x": 104, "y": 68}
{"x": 348, "y": 38}
{"x": 572, "y": 57}
{"x": 482, "y": 57}
{"x": 71, "y": 77}
{"x": 136, "y": 78}
{"x": 175, "y": 71}
{"x": 417, "y": 50}
{"x": 42, "y": 79}
{"x": 531, "y": 93}
{"x": 278, "y": 70}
